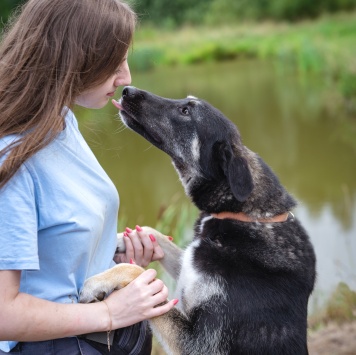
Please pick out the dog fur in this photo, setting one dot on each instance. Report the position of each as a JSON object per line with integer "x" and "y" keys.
{"x": 243, "y": 286}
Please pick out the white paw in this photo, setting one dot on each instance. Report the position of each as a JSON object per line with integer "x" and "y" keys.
{"x": 121, "y": 247}
{"x": 94, "y": 290}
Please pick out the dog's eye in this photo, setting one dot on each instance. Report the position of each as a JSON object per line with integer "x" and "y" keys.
{"x": 184, "y": 111}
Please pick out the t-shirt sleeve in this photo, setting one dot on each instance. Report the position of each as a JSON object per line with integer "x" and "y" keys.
{"x": 18, "y": 223}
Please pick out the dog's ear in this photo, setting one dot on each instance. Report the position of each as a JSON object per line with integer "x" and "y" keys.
{"x": 237, "y": 172}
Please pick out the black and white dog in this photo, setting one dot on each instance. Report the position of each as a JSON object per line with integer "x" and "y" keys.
{"x": 245, "y": 279}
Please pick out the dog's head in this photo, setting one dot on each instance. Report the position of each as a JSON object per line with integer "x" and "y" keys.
{"x": 201, "y": 141}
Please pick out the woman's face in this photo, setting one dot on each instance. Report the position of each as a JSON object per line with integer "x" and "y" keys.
{"x": 99, "y": 96}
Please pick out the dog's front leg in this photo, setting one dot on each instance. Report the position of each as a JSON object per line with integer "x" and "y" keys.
{"x": 171, "y": 330}
{"x": 98, "y": 286}
{"x": 172, "y": 253}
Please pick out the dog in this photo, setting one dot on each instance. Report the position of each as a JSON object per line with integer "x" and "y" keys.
{"x": 245, "y": 279}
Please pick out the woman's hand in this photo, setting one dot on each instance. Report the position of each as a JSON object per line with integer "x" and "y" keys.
{"x": 143, "y": 298}
{"x": 141, "y": 247}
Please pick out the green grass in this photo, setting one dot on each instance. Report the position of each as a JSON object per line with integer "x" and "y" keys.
{"x": 340, "y": 308}
{"x": 324, "y": 47}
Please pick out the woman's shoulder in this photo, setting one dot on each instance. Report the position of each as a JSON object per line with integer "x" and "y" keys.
{"x": 69, "y": 118}
{"x": 7, "y": 141}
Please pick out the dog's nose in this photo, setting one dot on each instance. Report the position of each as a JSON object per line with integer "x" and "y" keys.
{"x": 129, "y": 91}
{"x": 132, "y": 92}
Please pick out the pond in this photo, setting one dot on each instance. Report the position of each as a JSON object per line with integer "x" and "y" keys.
{"x": 281, "y": 117}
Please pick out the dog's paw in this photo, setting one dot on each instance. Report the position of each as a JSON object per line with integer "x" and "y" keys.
{"x": 121, "y": 247}
{"x": 97, "y": 287}
{"x": 93, "y": 291}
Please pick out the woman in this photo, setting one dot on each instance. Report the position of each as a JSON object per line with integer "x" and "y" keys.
{"x": 58, "y": 208}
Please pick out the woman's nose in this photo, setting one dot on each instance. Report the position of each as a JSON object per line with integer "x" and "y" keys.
{"x": 124, "y": 76}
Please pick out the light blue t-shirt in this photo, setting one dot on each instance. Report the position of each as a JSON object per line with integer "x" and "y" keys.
{"x": 58, "y": 219}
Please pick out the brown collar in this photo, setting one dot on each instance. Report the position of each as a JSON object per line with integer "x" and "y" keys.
{"x": 243, "y": 217}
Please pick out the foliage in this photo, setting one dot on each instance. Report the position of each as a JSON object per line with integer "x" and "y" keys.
{"x": 168, "y": 14}
{"x": 340, "y": 308}
{"x": 342, "y": 304}
{"x": 324, "y": 46}
{"x": 6, "y": 7}
{"x": 145, "y": 58}
{"x": 177, "y": 220}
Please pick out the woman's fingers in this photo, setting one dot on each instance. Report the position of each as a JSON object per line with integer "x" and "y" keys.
{"x": 130, "y": 251}
{"x": 154, "y": 291}
{"x": 157, "y": 286}
{"x": 157, "y": 250}
{"x": 150, "y": 246}
{"x": 138, "y": 247}
{"x": 148, "y": 276}
{"x": 141, "y": 246}
{"x": 162, "y": 309}
{"x": 155, "y": 295}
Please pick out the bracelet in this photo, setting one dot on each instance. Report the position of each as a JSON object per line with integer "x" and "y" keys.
{"x": 109, "y": 331}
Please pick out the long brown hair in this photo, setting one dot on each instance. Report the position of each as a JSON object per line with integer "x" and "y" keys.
{"x": 50, "y": 53}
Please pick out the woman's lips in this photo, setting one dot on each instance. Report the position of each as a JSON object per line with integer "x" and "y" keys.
{"x": 111, "y": 94}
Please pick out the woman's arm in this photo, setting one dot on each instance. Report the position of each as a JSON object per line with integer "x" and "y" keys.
{"x": 28, "y": 318}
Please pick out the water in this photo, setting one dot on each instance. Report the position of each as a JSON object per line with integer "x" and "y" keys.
{"x": 283, "y": 119}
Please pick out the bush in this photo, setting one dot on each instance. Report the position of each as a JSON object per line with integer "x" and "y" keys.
{"x": 168, "y": 14}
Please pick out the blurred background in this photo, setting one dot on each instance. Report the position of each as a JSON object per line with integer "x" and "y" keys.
{"x": 285, "y": 73}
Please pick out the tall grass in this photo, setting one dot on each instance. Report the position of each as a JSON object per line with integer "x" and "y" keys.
{"x": 340, "y": 308}
{"x": 177, "y": 220}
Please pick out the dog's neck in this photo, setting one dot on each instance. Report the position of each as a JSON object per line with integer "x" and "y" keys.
{"x": 243, "y": 217}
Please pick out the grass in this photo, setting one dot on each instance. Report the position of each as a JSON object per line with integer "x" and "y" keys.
{"x": 324, "y": 47}
{"x": 340, "y": 308}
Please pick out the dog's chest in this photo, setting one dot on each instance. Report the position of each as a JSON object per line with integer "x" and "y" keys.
{"x": 194, "y": 286}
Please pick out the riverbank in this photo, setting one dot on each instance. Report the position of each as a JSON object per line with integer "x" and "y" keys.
{"x": 334, "y": 339}
{"x": 322, "y": 47}
{"x": 332, "y": 330}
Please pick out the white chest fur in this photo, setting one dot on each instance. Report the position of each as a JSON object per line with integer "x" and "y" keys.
{"x": 195, "y": 287}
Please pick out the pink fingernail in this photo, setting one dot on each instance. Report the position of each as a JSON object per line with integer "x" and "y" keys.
{"x": 139, "y": 229}
{"x": 132, "y": 261}
{"x": 175, "y": 301}
{"x": 153, "y": 239}
{"x": 125, "y": 234}
{"x": 170, "y": 238}
{"x": 128, "y": 230}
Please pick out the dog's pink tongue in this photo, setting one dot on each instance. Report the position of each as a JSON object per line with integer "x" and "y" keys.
{"x": 116, "y": 104}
